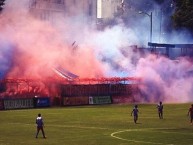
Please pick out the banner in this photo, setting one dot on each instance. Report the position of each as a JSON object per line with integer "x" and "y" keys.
{"x": 70, "y": 101}
{"x": 18, "y": 103}
{"x": 100, "y": 100}
{"x": 43, "y": 102}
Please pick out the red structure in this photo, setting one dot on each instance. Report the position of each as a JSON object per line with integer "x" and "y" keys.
{"x": 60, "y": 87}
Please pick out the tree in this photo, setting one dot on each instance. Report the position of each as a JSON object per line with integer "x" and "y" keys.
{"x": 159, "y": 1}
{"x": 183, "y": 15}
{"x": 2, "y": 3}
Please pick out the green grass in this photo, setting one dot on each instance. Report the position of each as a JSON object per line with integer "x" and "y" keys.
{"x": 98, "y": 125}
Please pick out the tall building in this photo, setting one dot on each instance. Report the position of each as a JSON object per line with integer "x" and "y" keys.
{"x": 87, "y": 10}
{"x": 106, "y": 9}
{"x": 47, "y": 10}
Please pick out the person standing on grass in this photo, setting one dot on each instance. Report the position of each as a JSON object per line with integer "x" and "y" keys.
{"x": 40, "y": 125}
{"x": 135, "y": 112}
{"x": 160, "y": 110}
{"x": 190, "y": 113}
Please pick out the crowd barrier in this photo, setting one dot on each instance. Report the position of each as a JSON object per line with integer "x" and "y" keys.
{"x": 27, "y": 103}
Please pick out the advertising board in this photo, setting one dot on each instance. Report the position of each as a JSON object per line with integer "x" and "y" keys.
{"x": 18, "y": 103}
{"x": 71, "y": 101}
{"x": 100, "y": 100}
{"x": 43, "y": 102}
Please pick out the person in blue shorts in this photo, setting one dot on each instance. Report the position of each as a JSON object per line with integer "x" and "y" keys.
{"x": 134, "y": 113}
{"x": 40, "y": 125}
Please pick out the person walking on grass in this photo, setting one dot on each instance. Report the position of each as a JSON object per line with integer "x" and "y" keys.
{"x": 134, "y": 113}
{"x": 40, "y": 125}
{"x": 190, "y": 114}
{"x": 160, "y": 110}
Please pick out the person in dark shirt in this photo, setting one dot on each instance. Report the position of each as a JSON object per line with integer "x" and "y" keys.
{"x": 190, "y": 113}
{"x": 160, "y": 110}
{"x": 135, "y": 112}
{"x": 35, "y": 99}
{"x": 40, "y": 125}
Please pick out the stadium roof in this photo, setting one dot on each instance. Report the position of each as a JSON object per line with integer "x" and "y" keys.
{"x": 170, "y": 45}
{"x": 65, "y": 73}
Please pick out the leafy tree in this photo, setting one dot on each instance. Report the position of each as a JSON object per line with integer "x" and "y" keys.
{"x": 2, "y": 3}
{"x": 183, "y": 15}
{"x": 159, "y": 1}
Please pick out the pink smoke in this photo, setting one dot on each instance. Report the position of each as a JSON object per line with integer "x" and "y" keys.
{"x": 38, "y": 46}
{"x": 165, "y": 80}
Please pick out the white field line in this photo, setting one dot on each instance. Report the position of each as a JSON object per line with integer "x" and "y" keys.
{"x": 115, "y": 133}
{"x": 145, "y": 129}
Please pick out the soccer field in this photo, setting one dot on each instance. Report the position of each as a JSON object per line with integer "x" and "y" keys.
{"x": 98, "y": 125}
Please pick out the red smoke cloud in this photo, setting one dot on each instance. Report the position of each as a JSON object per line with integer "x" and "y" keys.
{"x": 38, "y": 47}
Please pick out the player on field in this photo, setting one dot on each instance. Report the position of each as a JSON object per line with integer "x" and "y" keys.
{"x": 190, "y": 113}
{"x": 160, "y": 110}
{"x": 40, "y": 125}
{"x": 135, "y": 112}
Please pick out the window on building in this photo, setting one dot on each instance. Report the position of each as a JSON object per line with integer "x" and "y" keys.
{"x": 33, "y": 3}
{"x": 59, "y": 1}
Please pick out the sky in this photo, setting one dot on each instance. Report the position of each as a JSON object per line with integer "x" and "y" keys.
{"x": 31, "y": 48}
